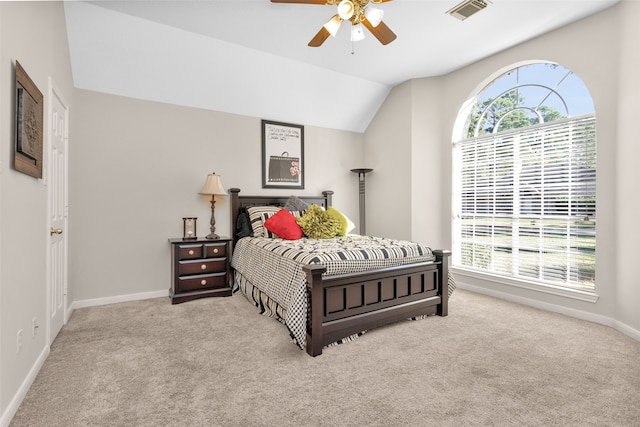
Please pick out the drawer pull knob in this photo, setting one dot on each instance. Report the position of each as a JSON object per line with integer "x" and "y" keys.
{"x": 191, "y": 252}
{"x": 215, "y": 251}
{"x": 203, "y": 282}
{"x": 203, "y": 267}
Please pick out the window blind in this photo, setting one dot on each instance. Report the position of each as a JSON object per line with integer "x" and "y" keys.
{"x": 525, "y": 203}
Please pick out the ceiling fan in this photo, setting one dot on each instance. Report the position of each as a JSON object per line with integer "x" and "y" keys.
{"x": 358, "y": 12}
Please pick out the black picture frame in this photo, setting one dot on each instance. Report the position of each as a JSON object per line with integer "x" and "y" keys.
{"x": 282, "y": 155}
{"x": 28, "y": 155}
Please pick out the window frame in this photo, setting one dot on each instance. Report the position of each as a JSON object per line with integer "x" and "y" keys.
{"x": 462, "y": 125}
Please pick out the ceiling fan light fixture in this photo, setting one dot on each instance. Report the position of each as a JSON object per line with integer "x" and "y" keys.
{"x": 333, "y": 25}
{"x": 357, "y": 33}
{"x": 374, "y": 15}
{"x": 346, "y": 9}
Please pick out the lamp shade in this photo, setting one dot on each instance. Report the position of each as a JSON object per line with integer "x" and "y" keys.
{"x": 357, "y": 33}
{"x": 374, "y": 15}
{"x": 333, "y": 25}
{"x": 213, "y": 186}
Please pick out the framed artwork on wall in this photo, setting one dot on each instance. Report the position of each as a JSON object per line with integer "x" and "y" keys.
{"x": 282, "y": 155}
{"x": 29, "y": 125}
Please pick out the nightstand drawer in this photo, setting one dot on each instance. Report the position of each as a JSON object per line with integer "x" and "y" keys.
{"x": 202, "y": 266}
{"x": 215, "y": 250}
{"x": 203, "y": 281}
{"x": 189, "y": 252}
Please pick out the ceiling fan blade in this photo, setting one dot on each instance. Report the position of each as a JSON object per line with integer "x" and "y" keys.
{"x": 319, "y": 38}
{"x": 381, "y": 31}
{"x": 301, "y": 1}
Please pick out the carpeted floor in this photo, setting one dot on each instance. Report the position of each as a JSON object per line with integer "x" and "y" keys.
{"x": 217, "y": 362}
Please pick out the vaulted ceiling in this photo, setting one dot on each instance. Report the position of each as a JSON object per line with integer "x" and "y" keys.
{"x": 251, "y": 57}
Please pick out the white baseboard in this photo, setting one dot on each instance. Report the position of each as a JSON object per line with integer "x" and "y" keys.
{"x": 626, "y": 329}
{"x": 68, "y": 313}
{"x": 578, "y": 314}
{"x": 13, "y": 406}
{"x": 117, "y": 299}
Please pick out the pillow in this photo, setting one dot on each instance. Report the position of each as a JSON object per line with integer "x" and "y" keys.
{"x": 350, "y": 225}
{"x": 342, "y": 220}
{"x": 296, "y": 204}
{"x": 243, "y": 226}
{"x": 255, "y": 218}
{"x": 317, "y": 224}
{"x": 259, "y": 214}
{"x": 283, "y": 224}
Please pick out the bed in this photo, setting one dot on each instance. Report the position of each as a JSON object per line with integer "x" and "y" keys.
{"x": 324, "y": 304}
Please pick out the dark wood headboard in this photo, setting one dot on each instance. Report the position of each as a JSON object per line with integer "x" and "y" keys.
{"x": 239, "y": 203}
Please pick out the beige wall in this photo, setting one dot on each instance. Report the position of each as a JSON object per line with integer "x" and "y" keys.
{"x": 34, "y": 34}
{"x": 388, "y": 153}
{"x": 430, "y": 160}
{"x": 627, "y": 173}
{"x": 600, "y": 49}
{"x": 411, "y": 174}
{"x": 137, "y": 167}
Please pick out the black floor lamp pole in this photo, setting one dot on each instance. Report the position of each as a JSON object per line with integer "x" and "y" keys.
{"x": 361, "y": 189}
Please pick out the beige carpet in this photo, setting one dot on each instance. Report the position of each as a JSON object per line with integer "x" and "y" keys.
{"x": 217, "y": 362}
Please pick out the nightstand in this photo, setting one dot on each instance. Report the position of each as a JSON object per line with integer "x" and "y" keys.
{"x": 200, "y": 268}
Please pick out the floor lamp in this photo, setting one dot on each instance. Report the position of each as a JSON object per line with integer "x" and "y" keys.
{"x": 361, "y": 177}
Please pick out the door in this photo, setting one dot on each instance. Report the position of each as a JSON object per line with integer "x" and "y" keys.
{"x": 58, "y": 139}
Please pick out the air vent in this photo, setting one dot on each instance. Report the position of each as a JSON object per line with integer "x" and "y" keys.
{"x": 467, "y": 8}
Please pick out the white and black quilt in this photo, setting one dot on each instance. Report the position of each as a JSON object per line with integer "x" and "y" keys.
{"x": 269, "y": 271}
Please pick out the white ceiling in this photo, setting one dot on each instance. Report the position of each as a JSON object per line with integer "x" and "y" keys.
{"x": 251, "y": 57}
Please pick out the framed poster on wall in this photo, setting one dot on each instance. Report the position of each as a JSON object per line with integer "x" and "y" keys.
{"x": 29, "y": 125}
{"x": 282, "y": 155}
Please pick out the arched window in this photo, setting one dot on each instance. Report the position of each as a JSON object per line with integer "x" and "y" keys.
{"x": 525, "y": 179}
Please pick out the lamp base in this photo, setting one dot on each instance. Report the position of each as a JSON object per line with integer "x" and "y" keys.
{"x": 212, "y": 236}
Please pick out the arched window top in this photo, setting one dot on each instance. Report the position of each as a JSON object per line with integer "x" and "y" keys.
{"x": 528, "y": 95}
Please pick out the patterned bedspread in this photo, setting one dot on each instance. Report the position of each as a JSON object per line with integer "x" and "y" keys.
{"x": 269, "y": 271}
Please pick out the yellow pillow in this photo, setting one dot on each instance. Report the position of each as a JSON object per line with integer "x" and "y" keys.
{"x": 318, "y": 224}
{"x": 342, "y": 220}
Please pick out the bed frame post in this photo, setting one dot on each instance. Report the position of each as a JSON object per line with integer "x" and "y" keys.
{"x": 316, "y": 308}
{"x": 442, "y": 256}
{"x": 235, "y": 211}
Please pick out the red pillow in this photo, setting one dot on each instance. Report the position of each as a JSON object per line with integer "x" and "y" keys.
{"x": 284, "y": 225}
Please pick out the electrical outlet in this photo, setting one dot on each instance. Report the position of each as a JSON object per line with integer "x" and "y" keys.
{"x": 34, "y": 327}
{"x": 19, "y": 340}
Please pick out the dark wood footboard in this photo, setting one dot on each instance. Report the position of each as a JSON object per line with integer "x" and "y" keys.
{"x": 340, "y": 306}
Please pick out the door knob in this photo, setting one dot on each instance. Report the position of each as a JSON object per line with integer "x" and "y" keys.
{"x": 56, "y": 231}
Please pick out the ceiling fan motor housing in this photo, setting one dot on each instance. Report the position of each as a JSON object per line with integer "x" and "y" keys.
{"x": 346, "y": 9}
{"x": 354, "y": 10}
